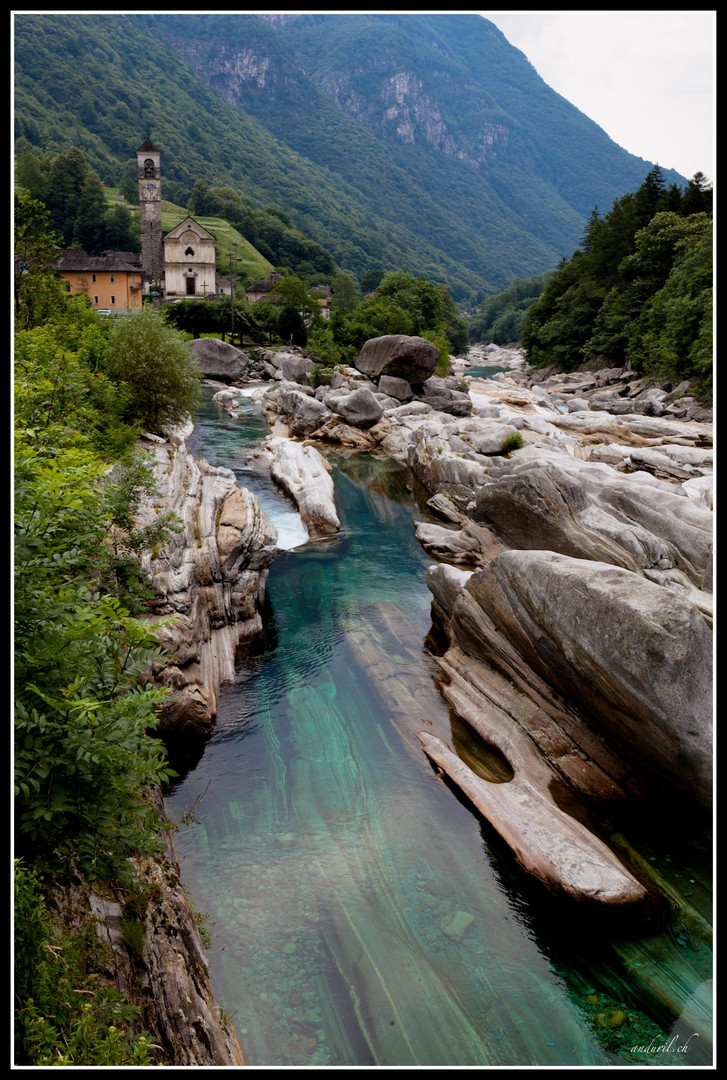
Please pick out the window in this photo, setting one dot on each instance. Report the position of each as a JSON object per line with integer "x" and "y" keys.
{"x": 111, "y": 277}
{"x": 113, "y": 299}
{"x": 93, "y": 277}
{"x": 95, "y": 300}
{"x": 190, "y": 251}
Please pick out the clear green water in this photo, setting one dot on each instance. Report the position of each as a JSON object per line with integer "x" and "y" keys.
{"x": 360, "y": 913}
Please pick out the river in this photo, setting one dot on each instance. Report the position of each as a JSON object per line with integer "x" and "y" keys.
{"x": 360, "y": 913}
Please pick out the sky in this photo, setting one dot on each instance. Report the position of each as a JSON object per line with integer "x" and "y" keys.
{"x": 646, "y": 77}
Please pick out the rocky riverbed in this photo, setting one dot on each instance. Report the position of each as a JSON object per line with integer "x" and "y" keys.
{"x": 573, "y": 575}
{"x": 571, "y": 580}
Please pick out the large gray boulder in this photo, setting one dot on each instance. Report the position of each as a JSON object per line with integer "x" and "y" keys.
{"x": 208, "y": 580}
{"x": 301, "y": 412}
{"x": 410, "y": 358}
{"x": 399, "y": 389}
{"x": 588, "y": 510}
{"x": 359, "y": 408}
{"x": 220, "y": 361}
{"x": 305, "y": 475}
{"x": 634, "y": 657}
{"x": 443, "y": 398}
{"x": 295, "y": 368}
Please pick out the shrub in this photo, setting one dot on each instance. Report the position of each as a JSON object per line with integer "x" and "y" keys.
{"x": 512, "y": 442}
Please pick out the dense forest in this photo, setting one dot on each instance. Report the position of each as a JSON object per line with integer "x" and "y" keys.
{"x": 85, "y": 749}
{"x": 638, "y": 291}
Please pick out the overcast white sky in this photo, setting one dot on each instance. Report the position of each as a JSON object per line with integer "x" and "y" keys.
{"x": 646, "y": 77}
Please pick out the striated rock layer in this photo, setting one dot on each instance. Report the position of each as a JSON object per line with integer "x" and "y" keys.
{"x": 167, "y": 972}
{"x": 209, "y": 580}
{"x": 573, "y": 582}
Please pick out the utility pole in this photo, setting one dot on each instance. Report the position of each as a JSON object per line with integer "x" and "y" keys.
{"x": 233, "y": 266}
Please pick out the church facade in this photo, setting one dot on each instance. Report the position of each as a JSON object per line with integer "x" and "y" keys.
{"x": 189, "y": 261}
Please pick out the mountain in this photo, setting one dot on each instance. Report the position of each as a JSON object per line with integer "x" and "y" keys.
{"x": 419, "y": 142}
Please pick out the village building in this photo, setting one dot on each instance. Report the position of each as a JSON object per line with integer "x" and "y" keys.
{"x": 189, "y": 261}
{"x": 323, "y": 293}
{"x": 262, "y": 289}
{"x": 112, "y": 280}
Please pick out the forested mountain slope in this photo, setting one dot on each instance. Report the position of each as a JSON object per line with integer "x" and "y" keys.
{"x": 420, "y": 142}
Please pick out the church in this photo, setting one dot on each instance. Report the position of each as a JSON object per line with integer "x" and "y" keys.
{"x": 178, "y": 264}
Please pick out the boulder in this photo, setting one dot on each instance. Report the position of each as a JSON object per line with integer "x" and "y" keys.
{"x": 399, "y": 389}
{"x": 588, "y": 510}
{"x": 220, "y": 361}
{"x": 302, "y": 412}
{"x": 208, "y": 580}
{"x": 634, "y": 657}
{"x": 295, "y": 368}
{"x": 359, "y": 408}
{"x": 437, "y": 393}
{"x": 410, "y": 358}
{"x": 304, "y": 474}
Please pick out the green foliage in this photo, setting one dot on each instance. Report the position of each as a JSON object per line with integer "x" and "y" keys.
{"x": 75, "y": 199}
{"x": 639, "y": 289}
{"x": 64, "y": 1015}
{"x": 291, "y": 326}
{"x": 82, "y": 755}
{"x": 38, "y": 289}
{"x": 512, "y": 442}
{"x": 151, "y": 359}
{"x": 500, "y": 319}
{"x": 322, "y": 348}
{"x": 345, "y": 293}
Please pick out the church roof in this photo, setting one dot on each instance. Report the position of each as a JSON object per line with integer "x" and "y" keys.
{"x": 148, "y": 145}
{"x": 189, "y": 223}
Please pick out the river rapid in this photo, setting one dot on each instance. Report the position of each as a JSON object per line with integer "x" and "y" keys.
{"x": 360, "y": 913}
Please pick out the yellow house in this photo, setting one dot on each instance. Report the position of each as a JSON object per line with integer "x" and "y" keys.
{"x": 111, "y": 281}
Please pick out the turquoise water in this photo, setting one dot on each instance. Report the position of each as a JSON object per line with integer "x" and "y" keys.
{"x": 485, "y": 372}
{"x": 360, "y": 913}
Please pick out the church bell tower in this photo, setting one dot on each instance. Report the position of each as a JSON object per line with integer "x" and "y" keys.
{"x": 148, "y": 158}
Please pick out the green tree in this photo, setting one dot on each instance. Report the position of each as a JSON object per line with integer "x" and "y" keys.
{"x": 38, "y": 289}
{"x": 83, "y": 756}
{"x": 371, "y": 279}
{"x": 344, "y": 293}
{"x": 152, "y": 360}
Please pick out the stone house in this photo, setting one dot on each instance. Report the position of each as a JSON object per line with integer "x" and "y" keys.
{"x": 261, "y": 289}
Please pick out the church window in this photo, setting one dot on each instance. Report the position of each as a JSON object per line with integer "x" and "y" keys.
{"x": 148, "y": 167}
{"x": 190, "y": 251}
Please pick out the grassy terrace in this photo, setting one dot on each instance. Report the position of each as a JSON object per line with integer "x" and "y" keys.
{"x": 250, "y": 262}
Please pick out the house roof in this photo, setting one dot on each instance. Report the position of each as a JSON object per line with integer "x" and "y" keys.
{"x": 107, "y": 261}
{"x": 267, "y": 284}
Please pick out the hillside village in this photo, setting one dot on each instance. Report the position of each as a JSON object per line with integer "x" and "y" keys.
{"x": 181, "y": 263}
